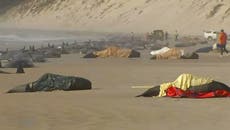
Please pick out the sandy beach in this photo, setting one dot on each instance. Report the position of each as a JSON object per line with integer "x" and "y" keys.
{"x": 112, "y": 104}
{"x": 33, "y": 31}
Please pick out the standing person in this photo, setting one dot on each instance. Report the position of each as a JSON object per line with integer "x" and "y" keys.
{"x": 147, "y": 36}
{"x": 176, "y": 35}
{"x": 222, "y": 42}
{"x": 166, "y": 35}
{"x": 132, "y": 36}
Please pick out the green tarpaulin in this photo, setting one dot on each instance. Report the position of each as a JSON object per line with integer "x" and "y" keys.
{"x": 51, "y": 82}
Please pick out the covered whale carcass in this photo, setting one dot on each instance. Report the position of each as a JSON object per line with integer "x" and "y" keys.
{"x": 189, "y": 86}
{"x": 51, "y": 82}
{"x": 173, "y": 53}
{"x": 114, "y": 52}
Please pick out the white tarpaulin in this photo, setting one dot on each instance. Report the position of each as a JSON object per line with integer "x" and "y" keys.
{"x": 161, "y": 51}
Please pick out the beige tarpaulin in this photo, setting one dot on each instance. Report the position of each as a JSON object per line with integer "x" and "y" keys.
{"x": 114, "y": 52}
{"x": 183, "y": 82}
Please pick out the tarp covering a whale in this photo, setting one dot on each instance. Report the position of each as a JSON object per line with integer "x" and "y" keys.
{"x": 173, "y": 53}
{"x": 51, "y": 82}
{"x": 114, "y": 52}
{"x": 189, "y": 86}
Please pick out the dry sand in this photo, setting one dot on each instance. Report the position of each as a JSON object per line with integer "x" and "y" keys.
{"x": 111, "y": 105}
{"x": 186, "y": 16}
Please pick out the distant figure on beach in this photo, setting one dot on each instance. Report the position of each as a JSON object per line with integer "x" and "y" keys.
{"x": 166, "y": 35}
{"x": 48, "y": 45}
{"x": 132, "y": 36}
{"x": 222, "y": 42}
{"x": 24, "y": 48}
{"x": 33, "y": 48}
{"x": 147, "y": 36}
{"x": 176, "y": 35}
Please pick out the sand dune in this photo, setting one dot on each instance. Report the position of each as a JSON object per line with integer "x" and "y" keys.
{"x": 187, "y": 16}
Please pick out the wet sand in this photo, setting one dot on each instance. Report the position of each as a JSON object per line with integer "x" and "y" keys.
{"x": 112, "y": 105}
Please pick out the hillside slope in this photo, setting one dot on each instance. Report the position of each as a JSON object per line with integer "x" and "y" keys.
{"x": 118, "y": 15}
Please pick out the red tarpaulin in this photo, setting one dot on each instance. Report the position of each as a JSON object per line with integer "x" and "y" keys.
{"x": 179, "y": 93}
